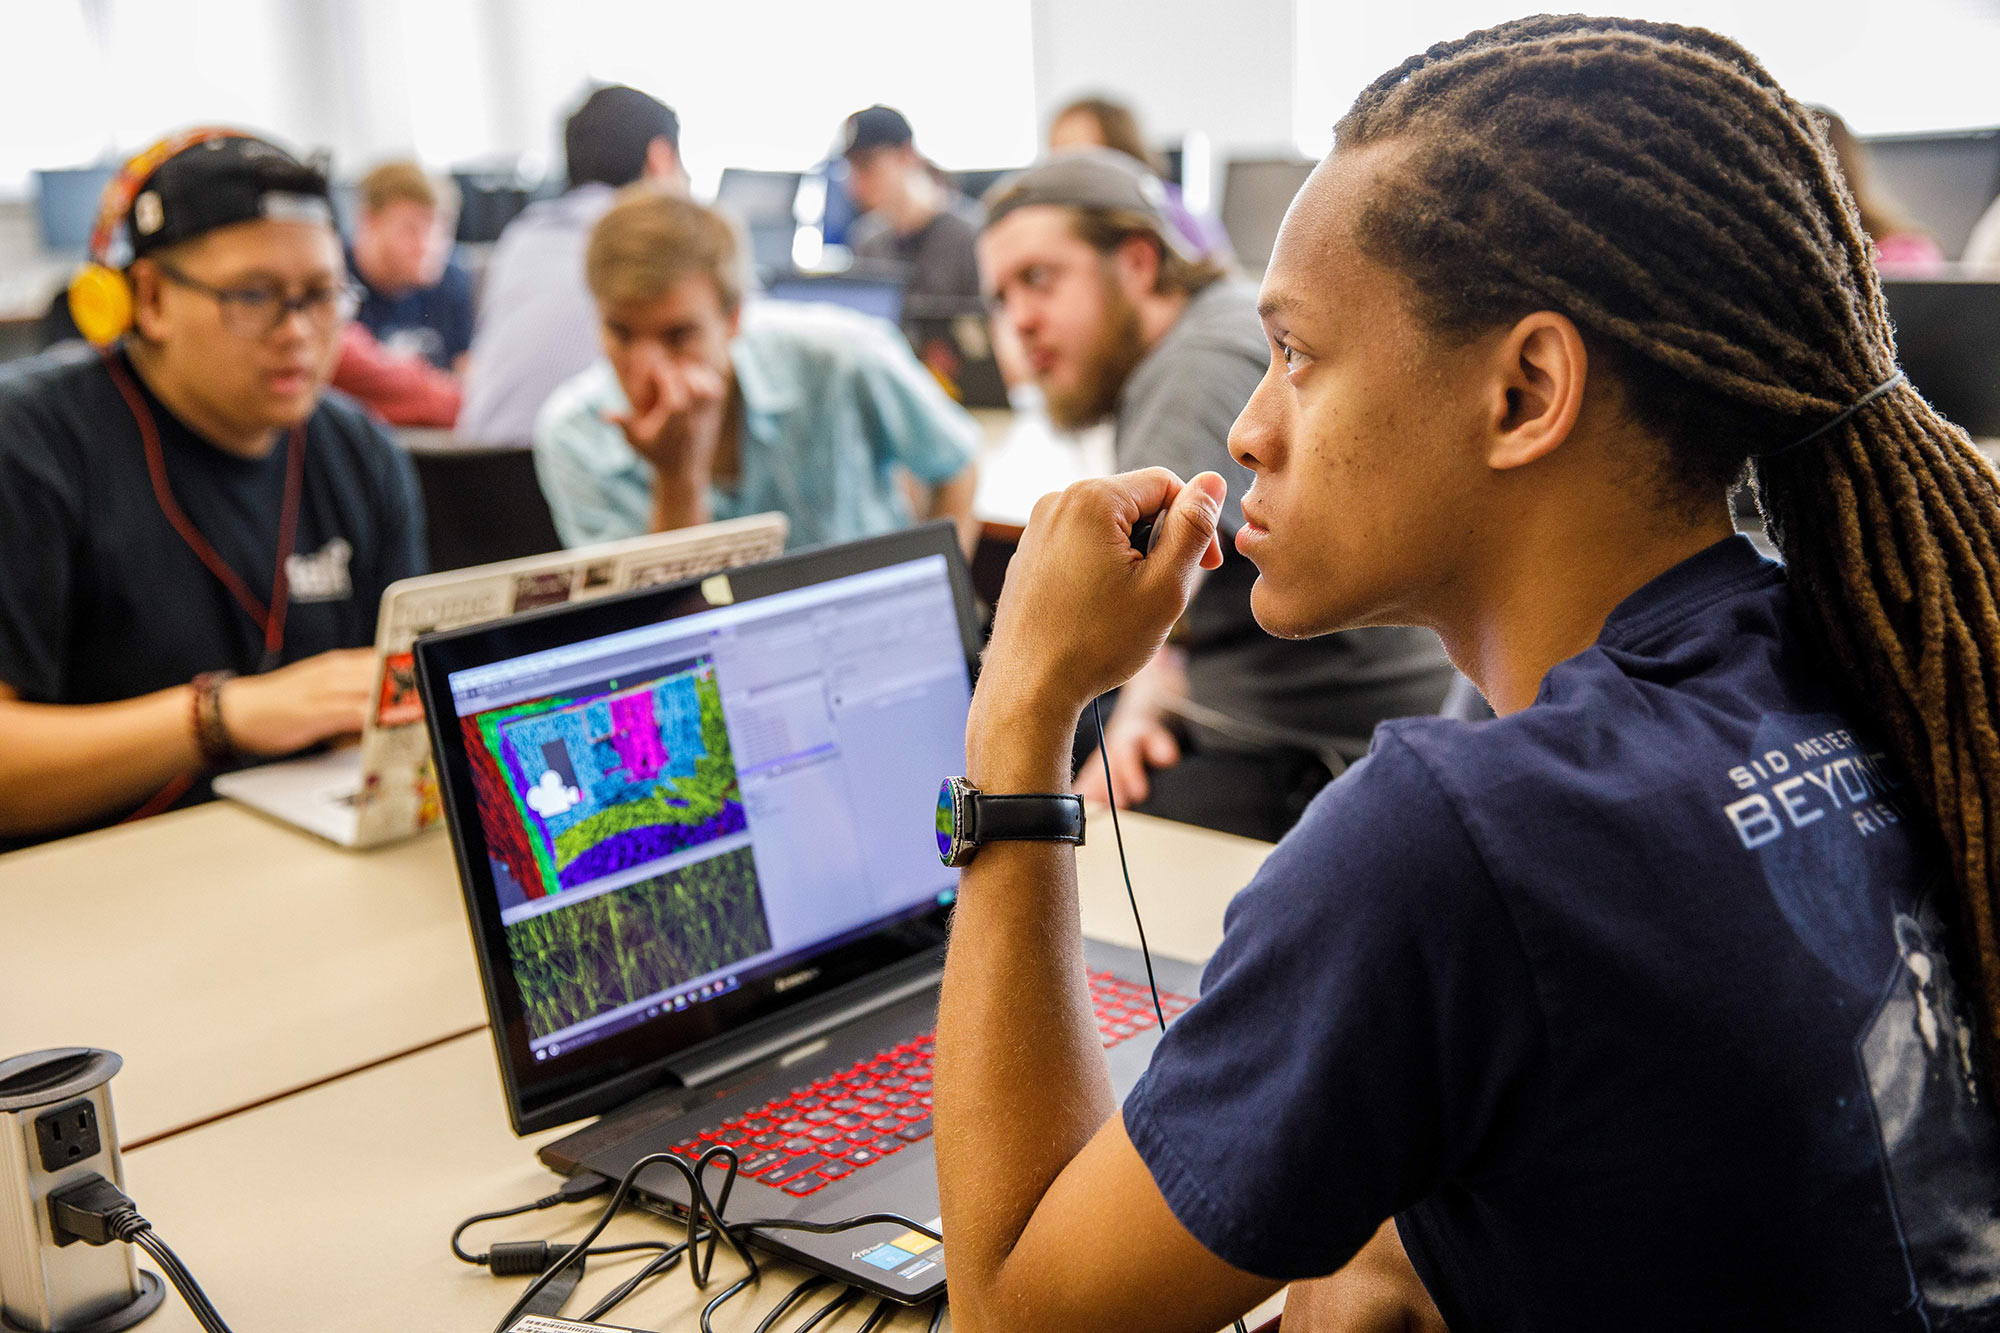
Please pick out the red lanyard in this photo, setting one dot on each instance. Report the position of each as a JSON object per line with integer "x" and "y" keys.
{"x": 271, "y": 619}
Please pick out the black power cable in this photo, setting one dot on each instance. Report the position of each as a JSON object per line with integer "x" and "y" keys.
{"x": 97, "y": 1212}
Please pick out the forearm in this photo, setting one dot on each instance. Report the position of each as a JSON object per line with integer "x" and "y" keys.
{"x": 62, "y": 764}
{"x": 1021, "y": 1083}
{"x": 678, "y": 503}
{"x": 953, "y": 500}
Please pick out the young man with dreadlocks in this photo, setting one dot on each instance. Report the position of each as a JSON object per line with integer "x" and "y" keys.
{"x": 1664, "y": 1000}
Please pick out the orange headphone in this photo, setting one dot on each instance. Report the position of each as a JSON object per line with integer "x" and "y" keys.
{"x": 100, "y": 295}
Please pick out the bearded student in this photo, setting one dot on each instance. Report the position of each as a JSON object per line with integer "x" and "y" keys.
{"x": 1665, "y": 1000}
{"x": 1227, "y": 726}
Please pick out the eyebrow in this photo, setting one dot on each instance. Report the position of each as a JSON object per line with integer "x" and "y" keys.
{"x": 1278, "y": 304}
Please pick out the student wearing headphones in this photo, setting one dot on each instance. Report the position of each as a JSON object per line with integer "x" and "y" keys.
{"x": 194, "y": 539}
{"x": 1665, "y": 1000}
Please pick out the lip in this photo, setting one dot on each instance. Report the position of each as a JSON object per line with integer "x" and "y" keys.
{"x": 291, "y": 380}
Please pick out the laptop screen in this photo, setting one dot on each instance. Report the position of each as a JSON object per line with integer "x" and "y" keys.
{"x": 679, "y": 820}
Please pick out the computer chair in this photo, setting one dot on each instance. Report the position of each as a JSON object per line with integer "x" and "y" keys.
{"x": 482, "y": 505}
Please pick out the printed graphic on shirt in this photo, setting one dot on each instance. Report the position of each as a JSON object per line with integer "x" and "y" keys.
{"x": 321, "y": 576}
{"x": 1938, "y": 1138}
{"x": 1825, "y": 814}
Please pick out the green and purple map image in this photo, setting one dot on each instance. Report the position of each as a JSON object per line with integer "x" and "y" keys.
{"x": 625, "y": 796}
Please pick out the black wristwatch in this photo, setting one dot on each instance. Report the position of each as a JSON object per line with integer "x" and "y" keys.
{"x": 968, "y": 819}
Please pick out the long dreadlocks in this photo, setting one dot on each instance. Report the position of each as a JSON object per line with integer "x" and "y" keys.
{"x": 1654, "y": 184}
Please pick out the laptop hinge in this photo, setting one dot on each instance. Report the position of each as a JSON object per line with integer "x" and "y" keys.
{"x": 716, "y": 1060}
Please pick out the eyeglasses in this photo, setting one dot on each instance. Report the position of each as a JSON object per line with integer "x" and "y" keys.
{"x": 259, "y": 311}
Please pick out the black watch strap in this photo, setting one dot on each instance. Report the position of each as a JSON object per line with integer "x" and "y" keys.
{"x": 1034, "y": 818}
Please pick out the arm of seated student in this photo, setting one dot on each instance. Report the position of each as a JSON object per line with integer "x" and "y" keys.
{"x": 1377, "y": 1292}
{"x": 1136, "y": 735}
{"x": 1054, "y": 1220}
{"x": 64, "y": 764}
{"x": 952, "y": 499}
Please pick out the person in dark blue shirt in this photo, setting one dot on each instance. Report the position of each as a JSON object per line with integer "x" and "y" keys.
{"x": 1663, "y": 1000}
{"x": 416, "y": 299}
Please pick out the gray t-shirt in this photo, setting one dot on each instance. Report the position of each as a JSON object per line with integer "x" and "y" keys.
{"x": 1175, "y": 412}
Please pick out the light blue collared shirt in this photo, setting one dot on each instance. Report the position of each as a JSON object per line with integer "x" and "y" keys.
{"x": 833, "y": 404}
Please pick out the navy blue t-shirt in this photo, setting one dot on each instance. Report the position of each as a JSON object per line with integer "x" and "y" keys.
{"x": 432, "y": 322}
{"x": 1632, "y": 1008}
{"x": 101, "y": 599}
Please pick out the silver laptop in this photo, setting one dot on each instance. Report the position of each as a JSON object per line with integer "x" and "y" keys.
{"x": 384, "y": 788}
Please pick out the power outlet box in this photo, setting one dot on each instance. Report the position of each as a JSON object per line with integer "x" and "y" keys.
{"x": 68, "y": 1135}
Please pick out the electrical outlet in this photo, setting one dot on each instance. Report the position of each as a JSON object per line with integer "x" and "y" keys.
{"x": 68, "y": 1135}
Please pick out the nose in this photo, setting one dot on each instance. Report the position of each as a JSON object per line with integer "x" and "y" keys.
{"x": 1258, "y": 438}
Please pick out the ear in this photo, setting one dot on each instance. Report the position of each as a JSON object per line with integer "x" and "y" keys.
{"x": 1137, "y": 261}
{"x": 149, "y": 316}
{"x": 1537, "y": 389}
{"x": 735, "y": 320}
{"x": 662, "y": 162}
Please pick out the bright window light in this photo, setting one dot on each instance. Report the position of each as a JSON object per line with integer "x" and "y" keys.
{"x": 1887, "y": 66}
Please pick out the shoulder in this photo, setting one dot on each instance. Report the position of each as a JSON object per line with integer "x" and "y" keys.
{"x": 53, "y": 406}
{"x": 363, "y": 444}
{"x": 1218, "y": 336}
{"x": 572, "y": 420}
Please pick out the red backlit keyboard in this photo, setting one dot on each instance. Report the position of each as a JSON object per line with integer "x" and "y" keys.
{"x": 848, "y": 1120}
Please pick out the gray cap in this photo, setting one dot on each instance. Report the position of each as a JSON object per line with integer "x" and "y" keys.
{"x": 1094, "y": 178}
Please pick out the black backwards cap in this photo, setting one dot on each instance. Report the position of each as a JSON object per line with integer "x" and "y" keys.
{"x": 223, "y": 181}
{"x": 875, "y": 127}
{"x": 1098, "y": 179}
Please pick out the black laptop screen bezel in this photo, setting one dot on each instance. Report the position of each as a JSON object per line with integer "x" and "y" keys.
{"x": 601, "y": 1074}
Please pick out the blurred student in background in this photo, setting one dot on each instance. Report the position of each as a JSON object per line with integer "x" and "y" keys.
{"x": 537, "y": 326}
{"x": 699, "y": 409}
{"x": 915, "y": 225}
{"x": 194, "y": 539}
{"x": 1227, "y": 726}
{"x": 1899, "y": 240}
{"x": 400, "y": 355}
{"x": 415, "y": 298}
{"x": 1101, "y": 122}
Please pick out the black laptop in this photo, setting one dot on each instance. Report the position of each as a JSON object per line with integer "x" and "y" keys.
{"x": 695, "y": 827}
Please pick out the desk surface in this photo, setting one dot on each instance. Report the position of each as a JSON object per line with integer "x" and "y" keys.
{"x": 247, "y": 960}
{"x": 243, "y": 958}
{"x": 374, "y": 1170}
{"x": 381, "y": 1163}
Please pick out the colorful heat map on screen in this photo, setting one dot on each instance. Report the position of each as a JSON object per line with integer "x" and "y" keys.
{"x": 605, "y": 780}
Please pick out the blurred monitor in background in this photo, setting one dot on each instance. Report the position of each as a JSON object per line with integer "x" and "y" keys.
{"x": 1899, "y": 239}
{"x": 66, "y": 206}
{"x": 765, "y": 203}
{"x": 1255, "y": 194}
{"x": 536, "y": 325}
{"x": 1098, "y": 121}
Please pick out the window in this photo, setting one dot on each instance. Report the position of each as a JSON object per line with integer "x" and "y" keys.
{"x": 1887, "y": 66}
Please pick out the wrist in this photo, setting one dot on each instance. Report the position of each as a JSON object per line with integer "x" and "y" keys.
{"x": 213, "y": 740}
{"x": 1018, "y": 746}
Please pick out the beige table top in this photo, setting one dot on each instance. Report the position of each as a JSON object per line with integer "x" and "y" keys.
{"x": 378, "y": 1165}
{"x": 244, "y": 959}
{"x": 374, "y": 1170}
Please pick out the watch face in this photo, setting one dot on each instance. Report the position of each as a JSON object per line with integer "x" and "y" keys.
{"x": 947, "y": 822}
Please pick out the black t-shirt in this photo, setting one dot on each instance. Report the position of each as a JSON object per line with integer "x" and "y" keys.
{"x": 1634, "y": 1008}
{"x": 101, "y": 599}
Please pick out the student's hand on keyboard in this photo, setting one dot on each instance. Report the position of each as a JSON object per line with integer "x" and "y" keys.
{"x": 283, "y": 711}
{"x": 1081, "y": 610}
